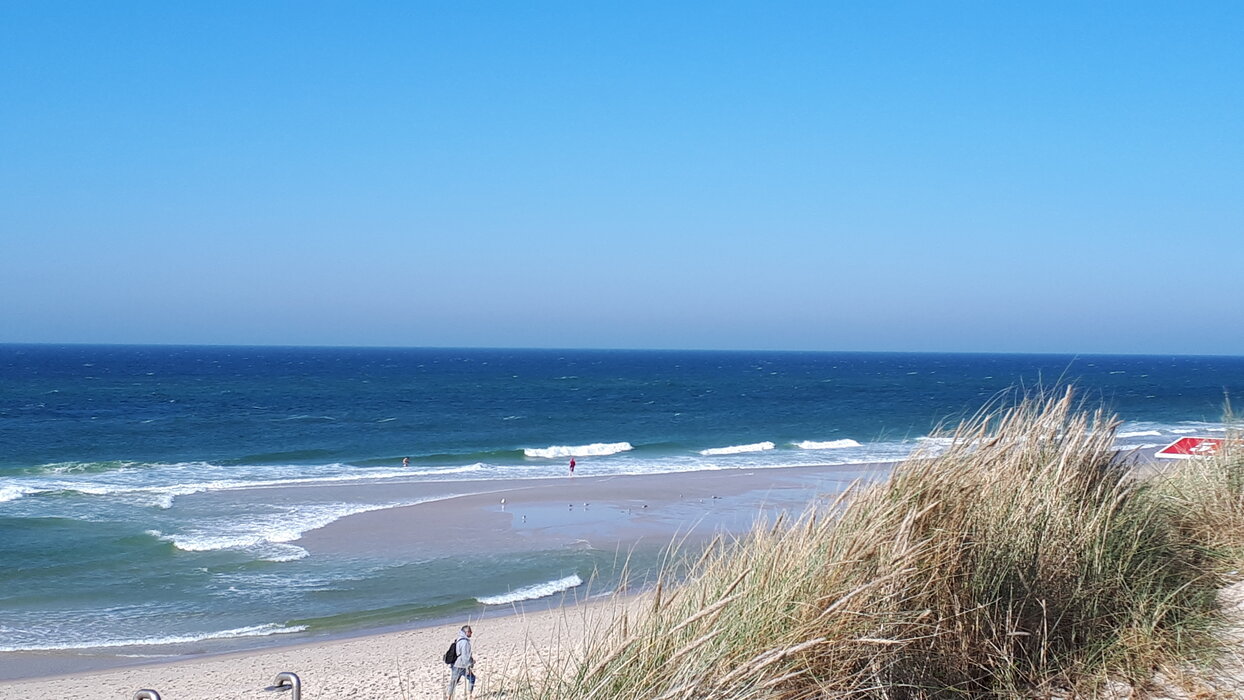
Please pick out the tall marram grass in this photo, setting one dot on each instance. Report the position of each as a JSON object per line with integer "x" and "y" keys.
{"x": 1025, "y": 560}
{"x": 1207, "y": 496}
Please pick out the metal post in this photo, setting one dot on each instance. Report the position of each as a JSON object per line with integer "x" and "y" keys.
{"x": 287, "y": 681}
{"x": 146, "y": 694}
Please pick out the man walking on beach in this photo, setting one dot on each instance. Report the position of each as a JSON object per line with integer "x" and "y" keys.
{"x": 572, "y": 466}
{"x": 462, "y": 666}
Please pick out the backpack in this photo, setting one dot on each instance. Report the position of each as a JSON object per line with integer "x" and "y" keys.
{"x": 452, "y": 655}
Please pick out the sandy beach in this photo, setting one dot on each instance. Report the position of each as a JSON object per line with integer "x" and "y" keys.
{"x": 611, "y": 512}
{"x": 405, "y": 664}
{"x": 608, "y": 512}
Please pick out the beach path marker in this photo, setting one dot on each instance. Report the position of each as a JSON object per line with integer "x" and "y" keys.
{"x": 1188, "y": 447}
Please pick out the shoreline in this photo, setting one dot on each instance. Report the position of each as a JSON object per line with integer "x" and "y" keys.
{"x": 539, "y": 515}
{"x": 683, "y": 505}
{"x": 396, "y": 664}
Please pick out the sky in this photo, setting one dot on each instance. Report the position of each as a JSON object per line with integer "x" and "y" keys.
{"x": 923, "y": 176}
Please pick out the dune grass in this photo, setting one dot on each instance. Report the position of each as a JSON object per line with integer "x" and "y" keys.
{"x": 1024, "y": 560}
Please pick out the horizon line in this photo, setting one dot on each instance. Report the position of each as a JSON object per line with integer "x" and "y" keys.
{"x": 288, "y": 346}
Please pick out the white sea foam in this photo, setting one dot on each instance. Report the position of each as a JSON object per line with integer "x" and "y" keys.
{"x": 936, "y": 443}
{"x": 738, "y": 449}
{"x": 478, "y": 466}
{"x": 162, "y": 496}
{"x": 829, "y": 445}
{"x": 12, "y": 493}
{"x": 252, "y": 631}
{"x": 1190, "y": 427}
{"x": 596, "y": 449}
{"x": 258, "y": 532}
{"x": 79, "y": 467}
{"x": 1139, "y": 433}
{"x": 539, "y": 590}
{"x": 279, "y": 552}
{"x": 163, "y": 501}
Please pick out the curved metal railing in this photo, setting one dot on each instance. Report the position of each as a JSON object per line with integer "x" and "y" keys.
{"x": 288, "y": 681}
{"x": 284, "y": 680}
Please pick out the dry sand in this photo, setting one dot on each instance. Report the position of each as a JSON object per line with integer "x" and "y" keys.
{"x": 394, "y": 665}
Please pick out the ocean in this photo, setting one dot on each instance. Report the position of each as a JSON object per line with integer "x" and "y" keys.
{"x": 130, "y": 514}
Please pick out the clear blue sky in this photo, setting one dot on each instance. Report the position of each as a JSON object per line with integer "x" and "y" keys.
{"x": 942, "y": 176}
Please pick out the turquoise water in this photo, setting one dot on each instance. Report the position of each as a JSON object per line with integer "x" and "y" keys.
{"x": 129, "y": 504}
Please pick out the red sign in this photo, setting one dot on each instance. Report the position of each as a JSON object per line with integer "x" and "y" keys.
{"x": 1185, "y": 448}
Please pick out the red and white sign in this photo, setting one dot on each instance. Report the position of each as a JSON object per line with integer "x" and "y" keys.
{"x": 1188, "y": 447}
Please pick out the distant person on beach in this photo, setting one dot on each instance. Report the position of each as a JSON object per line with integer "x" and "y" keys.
{"x": 462, "y": 666}
{"x": 406, "y": 461}
{"x": 572, "y": 466}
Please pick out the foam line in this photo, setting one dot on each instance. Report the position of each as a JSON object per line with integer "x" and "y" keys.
{"x": 738, "y": 449}
{"x": 596, "y": 449}
{"x": 278, "y": 528}
{"x": 827, "y": 445}
{"x": 539, "y": 590}
{"x": 252, "y": 631}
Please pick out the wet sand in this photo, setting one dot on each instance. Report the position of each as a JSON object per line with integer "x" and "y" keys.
{"x": 602, "y": 512}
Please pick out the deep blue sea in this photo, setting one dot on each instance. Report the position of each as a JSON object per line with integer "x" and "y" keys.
{"x": 127, "y": 474}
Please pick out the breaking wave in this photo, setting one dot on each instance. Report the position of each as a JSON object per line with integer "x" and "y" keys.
{"x": 12, "y": 493}
{"x": 252, "y": 631}
{"x": 1139, "y": 433}
{"x": 596, "y": 449}
{"x": 539, "y": 590}
{"x": 259, "y": 534}
{"x": 827, "y": 445}
{"x": 738, "y": 449}
{"x": 163, "y": 495}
